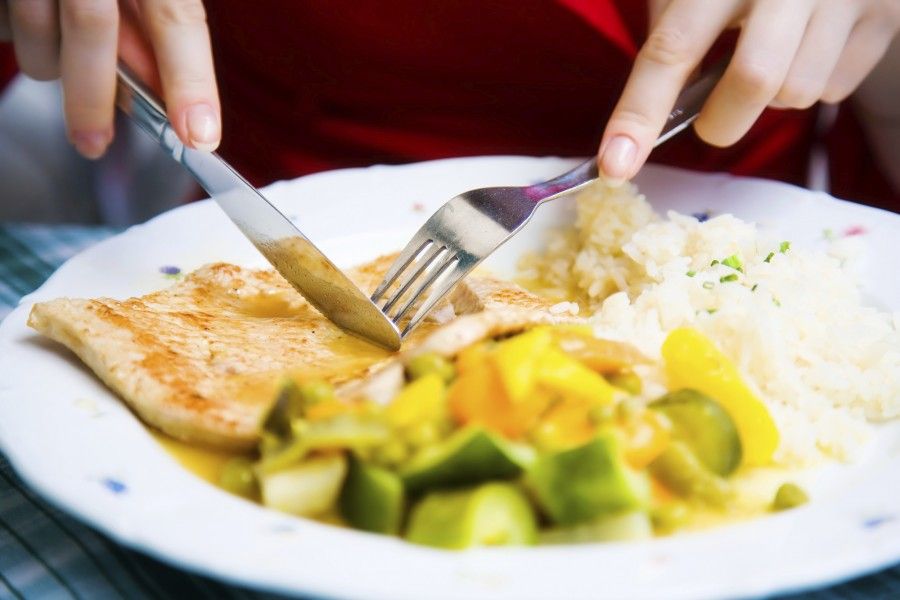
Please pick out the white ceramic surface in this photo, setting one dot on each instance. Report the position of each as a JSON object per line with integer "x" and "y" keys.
{"x": 77, "y": 445}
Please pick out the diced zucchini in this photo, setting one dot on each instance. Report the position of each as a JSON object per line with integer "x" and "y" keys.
{"x": 340, "y": 432}
{"x": 307, "y": 489}
{"x": 693, "y": 361}
{"x": 706, "y": 427}
{"x": 683, "y": 473}
{"x": 493, "y": 514}
{"x": 469, "y": 456}
{"x": 288, "y": 406}
{"x": 581, "y": 484}
{"x": 372, "y": 498}
{"x": 629, "y": 525}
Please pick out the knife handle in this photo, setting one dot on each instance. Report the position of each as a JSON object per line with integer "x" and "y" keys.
{"x": 691, "y": 100}
{"x": 209, "y": 170}
{"x": 147, "y": 111}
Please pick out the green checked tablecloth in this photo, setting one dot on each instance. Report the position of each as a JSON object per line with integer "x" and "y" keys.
{"x": 46, "y": 554}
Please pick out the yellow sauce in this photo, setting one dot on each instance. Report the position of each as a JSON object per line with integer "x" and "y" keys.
{"x": 754, "y": 491}
{"x": 272, "y": 306}
{"x": 205, "y": 463}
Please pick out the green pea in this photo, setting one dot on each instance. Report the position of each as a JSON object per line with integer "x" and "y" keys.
{"x": 314, "y": 392}
{"x": 238, "y": 478}
{"x": 789, "y": 495}
{"x": 626, "y": 380}
{"x": 430, "y": 362}
{"x": 669, "y": 517}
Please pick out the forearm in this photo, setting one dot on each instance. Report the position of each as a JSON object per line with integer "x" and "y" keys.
{"x": 878, "y": 104}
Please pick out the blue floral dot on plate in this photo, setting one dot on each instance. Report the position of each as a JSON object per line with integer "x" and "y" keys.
{"x": 875, "y": 522}
{"x": 702, "y": 216}
{"x": 114, "y": 485}
{"x": 169, "y": 270}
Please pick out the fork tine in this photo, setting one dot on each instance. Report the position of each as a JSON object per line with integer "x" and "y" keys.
{"x": 440, "y": 266}
{"x": 413, "y": 271}
{"x": 452, "y": 278}
{"x": 415, "y": 246}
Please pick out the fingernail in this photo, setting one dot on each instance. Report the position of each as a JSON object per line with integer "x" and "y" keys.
{"x": 203, "y": 127}
{"x": 617, "y": 160}
{"x": 91, "y": 144}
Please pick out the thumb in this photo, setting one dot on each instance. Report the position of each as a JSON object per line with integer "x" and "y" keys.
{"x": 681, "y": 37}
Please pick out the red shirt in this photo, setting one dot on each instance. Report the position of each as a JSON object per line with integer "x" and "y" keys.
{"x": 308, "y": 86}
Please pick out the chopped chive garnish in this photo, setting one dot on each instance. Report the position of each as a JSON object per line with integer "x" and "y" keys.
{"x": 727, "y": 278}
{"x": 769, "y": 257}
{"x": 755, "y": 285}
{"x": 708, "y": 285}
{"x": 711, "y": 310}
{"x": 691, "y": 273}
{"x": 775, "y": 301}
{"x": 714, "y": 263}
{"x": 784, "y": 247}
{"x": 734, "y": 262}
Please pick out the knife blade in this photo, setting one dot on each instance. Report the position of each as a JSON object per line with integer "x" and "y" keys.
{"x": 292, "y": 254}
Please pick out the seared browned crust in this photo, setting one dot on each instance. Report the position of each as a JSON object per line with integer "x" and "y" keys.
{"x": 202, "y": 360}
{"x": 482, "y": 293}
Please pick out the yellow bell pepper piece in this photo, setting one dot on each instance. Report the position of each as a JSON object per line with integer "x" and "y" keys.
{"x": 328, "y": 409}
{"x": 693, "y": 361}
{"x": 472, "y": 356}
{"x": 565, "y": 426}
{"x": 603, "y": 356}
{"x": 421, "y": 400}
{"x": 477, "y": 397}
{"x": 560, "y": 373}
{"x": 516, "y": 360}
{"x": 646, "y": 437}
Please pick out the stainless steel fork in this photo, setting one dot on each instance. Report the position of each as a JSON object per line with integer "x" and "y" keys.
{"x": 469, "y": 227}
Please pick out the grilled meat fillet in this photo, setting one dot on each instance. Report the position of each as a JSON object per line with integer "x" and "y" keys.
{"x": 202, "y": 360}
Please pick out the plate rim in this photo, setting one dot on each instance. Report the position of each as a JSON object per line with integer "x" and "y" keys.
{"x": 47, "y": 492}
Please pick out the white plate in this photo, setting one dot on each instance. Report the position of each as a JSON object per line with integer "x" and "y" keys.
{"x": 74, "y": 442}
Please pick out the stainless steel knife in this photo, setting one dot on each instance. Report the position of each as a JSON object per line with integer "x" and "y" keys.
{"x": 305, "y": 267}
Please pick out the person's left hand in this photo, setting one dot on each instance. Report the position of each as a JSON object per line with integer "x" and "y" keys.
{"x": 790, "y": 54}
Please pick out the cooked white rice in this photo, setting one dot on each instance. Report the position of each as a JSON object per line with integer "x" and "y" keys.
{"x": 794, "y": 324}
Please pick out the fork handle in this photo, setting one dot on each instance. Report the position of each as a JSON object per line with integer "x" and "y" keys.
{"x": 687, "y": 108}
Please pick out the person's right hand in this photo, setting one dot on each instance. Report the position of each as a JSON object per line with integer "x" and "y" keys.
{"x": 789, "y": 54}
{"x": 166, "y": 42}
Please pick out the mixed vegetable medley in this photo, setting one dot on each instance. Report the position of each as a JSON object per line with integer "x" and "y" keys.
{"x": 543, "y": 436}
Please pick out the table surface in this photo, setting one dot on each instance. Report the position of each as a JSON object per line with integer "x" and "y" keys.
{"x": 46, "y": 554}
